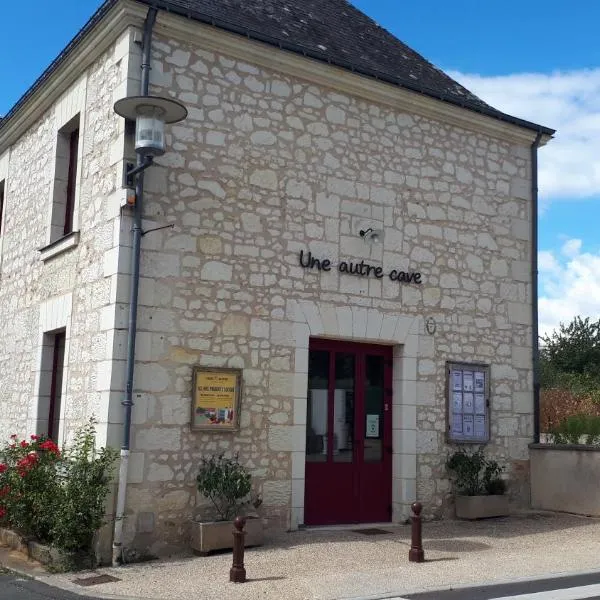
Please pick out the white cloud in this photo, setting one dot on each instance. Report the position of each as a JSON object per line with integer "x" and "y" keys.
{"x": 569, "y": 166}
{"x": 571, "y": 248}
{"x": 571, "y": 286}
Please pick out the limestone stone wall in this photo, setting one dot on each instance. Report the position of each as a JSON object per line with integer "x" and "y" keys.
{"x": 268, "y": 165}
{"x": 71, "y": 289}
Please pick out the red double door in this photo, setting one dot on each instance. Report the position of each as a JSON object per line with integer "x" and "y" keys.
{"x": 348, "y": 434}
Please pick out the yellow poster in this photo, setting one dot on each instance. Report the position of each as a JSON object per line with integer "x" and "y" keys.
{"x": 216, "y": 394}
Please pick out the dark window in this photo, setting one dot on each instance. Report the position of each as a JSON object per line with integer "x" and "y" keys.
{"x": 51, "y": 383}
{"x": 58, "y": 361}
{"x": 71, "y": 181}
{"x": 65, "y": 180}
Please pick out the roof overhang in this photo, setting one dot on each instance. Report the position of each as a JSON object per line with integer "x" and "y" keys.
{"x": 114, "y": 16}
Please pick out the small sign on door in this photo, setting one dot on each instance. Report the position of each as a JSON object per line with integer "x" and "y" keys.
{"x": 372, "y": 426}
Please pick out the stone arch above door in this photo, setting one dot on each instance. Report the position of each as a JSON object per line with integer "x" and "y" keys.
{"x": 359, "y": 324}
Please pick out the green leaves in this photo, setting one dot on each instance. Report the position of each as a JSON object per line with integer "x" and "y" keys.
{"x": 474, "y": 475}
{"x": 57, "y": 498}
{"x": 578, "y": 429}
{"x": 225, "y": 482}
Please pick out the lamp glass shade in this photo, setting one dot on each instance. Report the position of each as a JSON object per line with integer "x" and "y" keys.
{"x": 150, "y": 130}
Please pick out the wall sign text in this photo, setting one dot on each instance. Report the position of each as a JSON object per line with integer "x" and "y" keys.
{"x": 361, "y": 269}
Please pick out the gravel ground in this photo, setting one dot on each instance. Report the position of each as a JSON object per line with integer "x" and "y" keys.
{"x": 326, "y": 565}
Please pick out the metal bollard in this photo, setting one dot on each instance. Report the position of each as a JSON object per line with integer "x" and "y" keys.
{"x": 416, "y": 553}
{"x": 237, "y": 573}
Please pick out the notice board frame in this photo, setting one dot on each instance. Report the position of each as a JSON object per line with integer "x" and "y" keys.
{"x": 453, "y": 436}
{"x": 200, "y": 406}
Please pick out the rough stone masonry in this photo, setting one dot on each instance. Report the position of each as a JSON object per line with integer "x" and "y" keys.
{"x": 267, "y": 166}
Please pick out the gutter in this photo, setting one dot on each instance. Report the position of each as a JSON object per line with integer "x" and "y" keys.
{"x": 535, "y": 340}
{"x": 137, "y": 233}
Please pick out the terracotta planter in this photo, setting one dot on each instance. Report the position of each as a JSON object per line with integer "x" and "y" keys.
{"x": 481, "y": 507}
{"x": 210, "y": 536}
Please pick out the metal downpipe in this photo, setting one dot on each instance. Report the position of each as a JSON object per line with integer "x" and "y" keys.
{"x": 534, "y": 289}
{"x": 117, "y": 551}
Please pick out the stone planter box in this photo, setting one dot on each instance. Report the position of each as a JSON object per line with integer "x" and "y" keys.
{"x": 565, "y": 478}
{"x": 209, "y": 536}
{"x": 481, "y": 507}
{"x": 50, "y": 557}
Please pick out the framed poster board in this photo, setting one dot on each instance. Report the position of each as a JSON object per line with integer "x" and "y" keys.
{"x": 216, "y": 395}
{"x": 468, "y": 403}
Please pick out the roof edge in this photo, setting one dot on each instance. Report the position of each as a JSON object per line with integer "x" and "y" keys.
{"x": 230, "y": 27}
{"x": 53, "y": 66}
{"x": 322, "y": 57}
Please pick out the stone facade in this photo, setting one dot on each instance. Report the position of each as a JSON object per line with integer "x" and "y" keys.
{"x": 266, "y": 165}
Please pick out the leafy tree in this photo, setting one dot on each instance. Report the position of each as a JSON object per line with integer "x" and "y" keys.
{"x": 572, "y": 349}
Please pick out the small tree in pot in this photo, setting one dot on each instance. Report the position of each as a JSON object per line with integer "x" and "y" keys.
{"x": 228, "y": 485}
{"x": 480, "y": 489}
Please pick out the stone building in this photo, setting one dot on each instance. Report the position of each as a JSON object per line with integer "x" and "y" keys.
{"x": 348, "y": 227}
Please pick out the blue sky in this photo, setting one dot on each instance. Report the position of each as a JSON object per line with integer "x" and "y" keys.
{"x": 537, "y": 59}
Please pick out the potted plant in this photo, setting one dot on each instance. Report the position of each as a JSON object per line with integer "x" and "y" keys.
{"x": 227, "y": 484}
{"x": 479, "y": 488}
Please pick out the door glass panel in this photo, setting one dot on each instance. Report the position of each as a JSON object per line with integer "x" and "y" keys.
{"x": 316, "y": 416}
{"x": 343, "y": 410}
{"x": 374, "y": 397}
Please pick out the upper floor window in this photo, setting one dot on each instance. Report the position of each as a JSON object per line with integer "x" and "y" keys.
{"x": 65, "y": 180}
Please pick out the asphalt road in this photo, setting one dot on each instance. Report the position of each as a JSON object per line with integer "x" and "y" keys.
{"x": 574, "y": 587}
{"x": 18, "y": 588}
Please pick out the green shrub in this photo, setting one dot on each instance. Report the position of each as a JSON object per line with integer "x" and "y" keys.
{"x": 572, "y": 429}
{"x": 52, "y": 496}
{"x": 226, "y": 483}
{"x": 474, "y": 475}
{"x": 29, "y": 490}
{"x": 85, "y": 482}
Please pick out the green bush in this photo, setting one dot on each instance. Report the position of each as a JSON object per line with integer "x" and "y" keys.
{"x": 55, "y": 497}
{"x": 226, "y": 483}
{"x": 474, "y": 475}
{"x": 576, "y": 427}
{"x": 84, "y": 484}
{"x": 29, "y": 490}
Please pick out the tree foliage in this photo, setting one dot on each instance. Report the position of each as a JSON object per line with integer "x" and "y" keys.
{"x": 573, "y": 349}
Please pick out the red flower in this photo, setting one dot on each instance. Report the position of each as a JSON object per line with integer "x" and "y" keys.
{"x": 3, "y": 468}
{"x": 4, "y": 491}
{"x": 24, "y": 444}
{"x": 35, "y": 437}
{"x": 50, "y": 446}
{"x": 13, "y": 436}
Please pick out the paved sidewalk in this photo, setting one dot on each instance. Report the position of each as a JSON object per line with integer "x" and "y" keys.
{"x": 327, "y": 565}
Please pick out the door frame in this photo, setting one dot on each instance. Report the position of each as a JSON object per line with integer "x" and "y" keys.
{"x": 360, "y": 468}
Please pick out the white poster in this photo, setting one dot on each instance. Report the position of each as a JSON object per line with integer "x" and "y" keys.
{"x": 457, "y": 380}
{"x": 457, "y": 405}
{"x": 372, "y": 426}
{"x": 468, "y": 402}
{"x": 479, "y": 381}
{"x": 480, "y": 427}
{"x": 457, "y": 424}
{"x": 468, "y": 425}
{"x": 468, "y": 381}
{"x": 480, "y": 404}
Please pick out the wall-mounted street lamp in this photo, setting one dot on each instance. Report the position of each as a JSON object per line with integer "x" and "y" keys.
{"x": 371, "y": 236}
{"x": 150, "y": 113}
